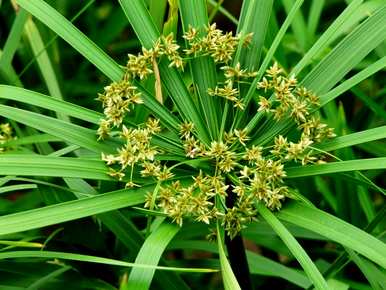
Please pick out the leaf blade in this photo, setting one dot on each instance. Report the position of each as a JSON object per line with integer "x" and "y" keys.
{"x": 335, "y": 229}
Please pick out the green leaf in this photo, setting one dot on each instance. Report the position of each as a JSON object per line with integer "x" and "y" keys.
{"x": 32, "y": 139}
{"x": 335, "y": 167}
{"x": 336, "y": 230}
{"x": 70, "y": 210}
{"x": 354, "y": 139}
{"x": 158, "y": 109}
{"x": 13, "y": 39}
{"x": 64, "y": 28}
{"x": 43, "y": 59}
{"x": 93, "y": 259}
{"x": 157, "y": 10}
{"x": 38, "y": 165}
{"x": 254, "y": 18}
{"x": 263, "y": 266}
{"x": 150, "y": 254}
{"x": 193, "y": 13}
{"x": 268, "y": 57}
{"x": 375, "y": 277}
{"x": 299, "y": 253}
{"x": 147, "y": 33}
{"x": 141, "y": 21}
{"x": 47, "y": 102}
{"x": 66, "y": 131}
{"x": 354, "y": 80}
{"x": 258, "y": 265}
{"x": 314, "y": 17}
{"x": 229, "y": 279}
{"x": 17, "y": 187}
{"x": 225, "y": 12}
{"x": 47, "y": 278}
{"x": 298, "y": 26}
{"x": 357, "y": 45}
{"x": 327, "y": 37}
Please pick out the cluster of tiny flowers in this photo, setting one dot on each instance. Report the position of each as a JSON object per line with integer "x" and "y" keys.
{"x": 119, "y": 98}
{"x": 137, "y": 150}
{"x": 296, "y": 102}
{"x": 233, "y": 168}
{"x": 228, "y": 90}
{"x": 6, "y": 135}
{"x": 214, "y": 42}
{"x": 255, "y": 178}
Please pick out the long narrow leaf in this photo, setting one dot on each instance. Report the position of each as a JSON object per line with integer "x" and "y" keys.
{"x": 13, "y": 39}
{"x": 335, "y": 167}
{"x": 150, "y": 254}
{"x": 37, "y": 165}
{"x": 147, "y": 33}
{"x": 193, "y": 13}
{"x": 47, "y": 102}
{"x": 254, "y": 18}
{"x": 70, "y": 210}
{"x": 228, "y": 277}
{"x": 335, "y": 229}
{"x": 94, "y": 259}
{"x": 65, "y": 29}
{"x": 354, "y": 139}
{"x": 295, "y": 248}
{"x": 357, "y": 45}
{"x": 71, "y": 133}
{"x": 354, "y": 80}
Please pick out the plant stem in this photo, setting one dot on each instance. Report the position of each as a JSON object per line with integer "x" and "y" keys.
{"x": 236, "y": 252}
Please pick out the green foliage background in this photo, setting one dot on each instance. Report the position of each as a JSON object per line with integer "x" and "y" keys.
{"x": 66, "y": 224}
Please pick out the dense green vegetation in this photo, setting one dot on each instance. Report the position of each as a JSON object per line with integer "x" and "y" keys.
{"x": 143, "y": 147}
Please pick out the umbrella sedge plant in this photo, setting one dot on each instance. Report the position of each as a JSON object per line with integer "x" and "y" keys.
{"x": 207, "y": 138}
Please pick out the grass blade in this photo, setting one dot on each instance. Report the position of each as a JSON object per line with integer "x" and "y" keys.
{"x": 143, "y": 25}
{"x": 357, "y": 45}
{"x": 43, "y": 59}
{"x": 335, "y": 167}
{"x": 314, "y": 17}
{"x": 193, "y": 13}
{"x": 327, "y": 37}
{"x": 94, "y": 259}
{"x": 47, "y": 278}
{"x": 335, "y": 229}
{"x": 66, "y": 30}
{"x": 295, "y": 248}
{"x": 68, "y": 132}
{"x": 354, "y": 80}
{"x": 38, "y": 165}
{"x": 47, "y": 102}
{"x": 254, "y": 18}
{"x": 370, "y": 103}
{"x": 65, "y": 211}
{"x": 354, "y": 139}
{"x": 17, "y": 187}
{"x": 150, "y": 254}
{"x": 270, "y": 53}
{"x": 229, "y": 279}
{"x": 298, "y": 26}
{"x": 13, "y": 39}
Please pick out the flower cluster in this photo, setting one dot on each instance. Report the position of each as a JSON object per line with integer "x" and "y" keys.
{"x": 220, "y": 46}
{"x": 137, "y": 149}
{"x": 6, "y": 134}
{"x": 297, "y": 103}
{"x": 120, "y": 97}
{"x": 232, "y": 167}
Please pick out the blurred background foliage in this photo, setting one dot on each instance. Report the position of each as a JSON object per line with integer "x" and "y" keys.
{"x": 104, "y": 22}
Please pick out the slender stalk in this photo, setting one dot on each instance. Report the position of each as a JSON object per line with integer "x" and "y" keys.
{"x": 236, "y": 252}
